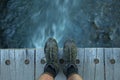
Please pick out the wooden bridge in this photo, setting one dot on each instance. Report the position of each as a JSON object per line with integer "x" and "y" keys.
{"x": 28, "y": 64}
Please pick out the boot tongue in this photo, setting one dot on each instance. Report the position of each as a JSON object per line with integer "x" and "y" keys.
{"x": 70, "y": 69}
{"x": 53, "y": 67}
{"x": 72, "y": 66}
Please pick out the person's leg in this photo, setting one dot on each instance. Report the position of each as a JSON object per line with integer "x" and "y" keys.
{"x": 71, "y": 72}
{"x": 46, "y": 77}
{"x": 51, "y": 53}
{"x": 70, "y": 53}
{"x": 75, "y": 77}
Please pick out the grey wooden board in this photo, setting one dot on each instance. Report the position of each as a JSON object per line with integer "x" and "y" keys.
{"x": 29, "y": 68}
{"x": 39, "y": 67}
{"x": 18, "y": 70}
{"x": 12, "y": 65}
{"x": 116, "y": 55}
{"x": 4, "y": 68}
{"x": 19, "y": 67}
{"x": 99, "y": 68}
{"x": 89, "y": 66}
{"x": 112, "y": 70}
{"x": 109, "y": 68}
{"x": 80, "y": 56}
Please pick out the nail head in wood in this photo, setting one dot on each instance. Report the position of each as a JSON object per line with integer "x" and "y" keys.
{"x": 27, "y": 61}
{"x": 96, "y": 61}
{"x": 112, "y": 61}
{"x": 7, "y": 62}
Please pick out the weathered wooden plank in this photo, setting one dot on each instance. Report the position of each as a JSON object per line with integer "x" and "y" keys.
{"x": 80, "y": 56}
{"x": 116, "y": 55}
{"x": 29, "y": 64}
{"x": 109, "y": 68}
{"x": 19, "y": 61}
{"x": 12, "y": 65}
{"x": 89, "y": 66}
{"x": 5, "y": 69}
{"x": 39, "y": 68}
{"x": 99, "y": 66}
{"x": 18, "y": 70}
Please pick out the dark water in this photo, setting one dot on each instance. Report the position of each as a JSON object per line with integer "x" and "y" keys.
{"x": 29, "y": 23}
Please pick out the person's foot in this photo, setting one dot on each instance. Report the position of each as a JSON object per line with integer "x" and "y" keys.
{"x": 51, "y": 51}
{"x": 69, "y": 55}
{"x": 70, "y": 52}
{"x": 51, "y": 54}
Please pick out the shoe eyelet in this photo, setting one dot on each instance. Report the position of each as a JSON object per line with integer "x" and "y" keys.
{"x": 61, "y": 61}
{"x": 77, "y": 61}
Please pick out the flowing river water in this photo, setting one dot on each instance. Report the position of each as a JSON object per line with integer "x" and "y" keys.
{"x": 29, "y": 23}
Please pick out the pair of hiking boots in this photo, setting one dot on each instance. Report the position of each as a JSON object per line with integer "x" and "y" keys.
{"x": 69, "y": 56}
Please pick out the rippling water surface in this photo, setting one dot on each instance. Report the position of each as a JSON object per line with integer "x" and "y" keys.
{"x": 91, "y": 23}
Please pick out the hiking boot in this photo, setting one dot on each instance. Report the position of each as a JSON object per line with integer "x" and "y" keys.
{"x": 69, "y": 55}
{"x": 51, "y": 54}
{"x": 70, "y": 52}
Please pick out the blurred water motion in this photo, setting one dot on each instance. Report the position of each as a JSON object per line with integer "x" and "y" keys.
{"x": 28, "y": 24}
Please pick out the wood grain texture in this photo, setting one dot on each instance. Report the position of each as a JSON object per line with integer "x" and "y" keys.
{"x": 109, "y": 68}
{"x": 99, "y": 67}
{"x": 18, "y": 70}
{"x": 116, "y": 55}
{"x": 80, "y": 56}
{"x": 12, "y": 65}
{"x": 19, "y": 63}
{"x": 39, "y": 67}
{"x": 29, "y": 68}
{"x": 89, "y": 66}
{"x": 5, "y": 69}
